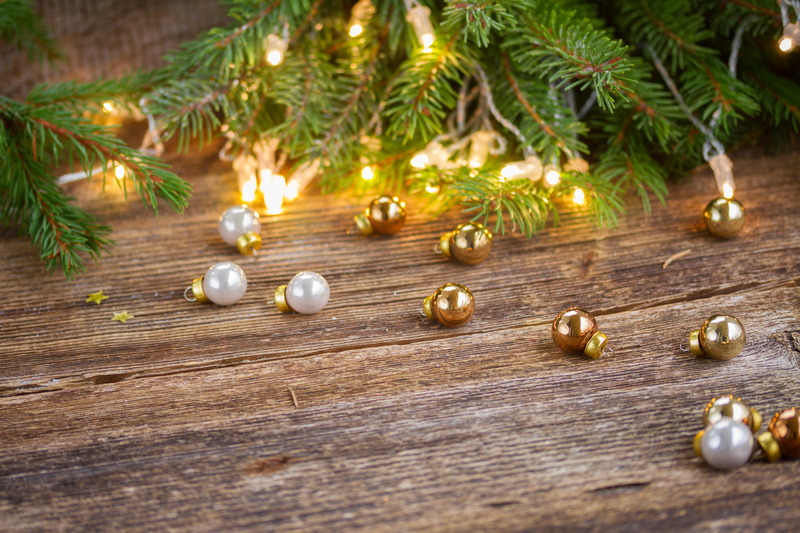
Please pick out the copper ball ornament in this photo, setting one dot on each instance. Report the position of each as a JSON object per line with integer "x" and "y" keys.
{"x": 452, "y": 305}
{"x": 385, "y": 215}
{"x": 469, "y": 243}
{"x": 724, "y": 217}
{"x": 721, "y": 337}
{"x": 785, "y": 429}
{"x": 575, "y": 330}
{"x": 731, "y": 407}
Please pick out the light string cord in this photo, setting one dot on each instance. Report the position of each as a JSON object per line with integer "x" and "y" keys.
{"x": 785, "y": 4}
{"x": 711, "y": 140}
{"x": 712, "y": 143}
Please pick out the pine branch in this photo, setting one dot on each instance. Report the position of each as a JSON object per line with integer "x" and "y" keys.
{"x": 479, "y": 18}
{"x": 21, "y": 26}
{"x": 423, "y": 93}
{"x": 569, "y": 51}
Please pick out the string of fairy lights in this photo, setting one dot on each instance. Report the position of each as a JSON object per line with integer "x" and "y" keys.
{"x": 468, "y": 141}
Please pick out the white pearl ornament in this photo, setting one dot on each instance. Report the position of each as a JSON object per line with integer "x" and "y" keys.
{"x": 307, "y": 293}
{"x": 726, "y": 445}
{"x": 224, "y": 284}
{"x": 240, "y": 226}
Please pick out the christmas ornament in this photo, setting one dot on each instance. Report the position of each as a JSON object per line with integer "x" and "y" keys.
{"x": 224, "y": 284}
{"x": 122, "y": 317}
{"x": 96, "y": 297}
{"x": 724, "y": 217}
{"x": 385, "y": 215}
{"x": 306, "y": 293}
{"x": 575, "y": 330}
{"x": 725, "y": 445}
{"x": 452, "y": 305}
{"x": 239, "y": 226}
{"x": 731, "y": 407}
{"x": 469, "y": 243}
{"x": 721, "y": 337}
{"x": 783, "y": 437}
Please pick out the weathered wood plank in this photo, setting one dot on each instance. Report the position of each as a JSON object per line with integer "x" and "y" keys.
{"x": 183, "y": 418}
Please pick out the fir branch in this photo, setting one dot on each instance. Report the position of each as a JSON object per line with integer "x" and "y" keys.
{"x": 570, "y": 51}
{"x": 423, "y": 94}
{"x": 479, "y": 18}
{"x": 672, "y": 29}
{"x": 22, "y": 27}
{"x": 636, "y": 170}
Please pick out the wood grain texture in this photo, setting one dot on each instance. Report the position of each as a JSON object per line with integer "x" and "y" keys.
{"x": 107, "y": 38}
{"x": 183, "y": 418}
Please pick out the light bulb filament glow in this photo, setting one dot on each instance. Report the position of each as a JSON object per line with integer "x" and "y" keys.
{"x": 579, "y": 197}
{"x": 727, "y": 191}
{"x": 275, "y": 57}
{"x": 119, "y": 171}
{"x": 355, "y": 30}
{"x": 108, "y": 107}
{"x": 367, "y": 173}
{"x": 273, "y": 194}
{"x": 552, "y": 177}
{"x": 419, "y": 161}
{"x": 249, "y": 190}
{"x": 427, "y": 41}
{"x": 292, "y": 190}
{"x": 433, "y": 189}
{"x": 786, "y": 44}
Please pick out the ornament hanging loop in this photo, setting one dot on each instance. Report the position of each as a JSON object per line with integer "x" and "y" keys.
{"x": 186, "y": 295}
{"x": 684, "y": 346}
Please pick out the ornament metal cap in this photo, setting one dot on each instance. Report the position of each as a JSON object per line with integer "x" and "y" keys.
{"x": 426, "y": 307}
{"x": 362, "y": 221}
{"x": 768, "y": 444}
{"x": 280, "y": 300}
{"x": 696, "y": 444}
{"x": 596, "y": 345}
{"x": 197, "y": 290}
{"x": 444, "y": 244}
{"x": 248, "y": 243}
{"x": 694, "y": 343}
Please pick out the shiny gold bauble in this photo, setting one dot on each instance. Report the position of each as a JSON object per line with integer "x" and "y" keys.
{"x": 785, "y": 428}
{"x": 575, "y": 330}
{"x": 731, "y": 407}
{"x": 724, "y": 217}
{"x": 469, "y": 243}
{"x": 721, "y": 337}
{"x": 385, "y": 215}
{"x": 452, "y": 305}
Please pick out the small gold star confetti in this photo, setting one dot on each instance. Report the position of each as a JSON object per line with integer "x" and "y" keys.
{"x": 96, "y": 297}
{"x": 122, "y": 317}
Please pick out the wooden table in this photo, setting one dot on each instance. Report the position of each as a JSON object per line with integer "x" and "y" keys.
{"x": 184, "y": 418}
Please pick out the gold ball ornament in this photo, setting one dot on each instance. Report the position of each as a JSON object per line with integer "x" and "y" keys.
{"x": 731, "y": 407}
{"x": 575, "y": 330}
{"x": 785, "y": 429}
{"x": 721, "y": 337}
{"x": 452, "y": 305}
{"x": 385, "y": 215}
{"x": 469, "y": 243}
{"x": 724, "y": 217}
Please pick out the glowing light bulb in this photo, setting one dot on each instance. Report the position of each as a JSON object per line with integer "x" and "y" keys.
{"x": 420, "y": 19}
{"x": 273, "y": 194}
{"x": 276, "y": 48}
{"x": 355, "y": 30}
{"x": 551, "y": 175}
{"x": 790, "y": 37}
{"x": 266, "y": 175}
{"x": 119, "y": 171}
{"x": 292, "y": 190}
{"x": 433, "y": 189}
{"x": 509, "y": 171}
{"x": 367, "y": 173}
{"x": 108, "y": 107}
{"x": 245, "y": 96}
{"x": 420, "y": 160}
{"x": 578, "y": 196}
{"x": 727, "y": 191}
{"x": 249, "y": 191}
